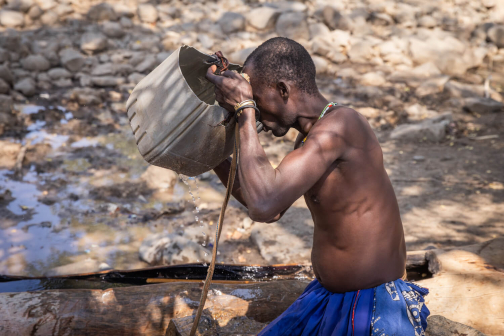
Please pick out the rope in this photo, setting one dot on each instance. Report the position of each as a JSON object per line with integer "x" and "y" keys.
{"x": 211, "y": 269}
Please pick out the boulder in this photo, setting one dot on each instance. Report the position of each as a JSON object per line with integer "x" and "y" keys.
{"x": 433, "y": 130}
{"x": 93, "y": 42}
{"x": 71, "y": 59}
{"x": 107, "y": 81}
{"x": 482, "y": 105}
{"x": 57, "y": 73}
{"x": 232, "y": 22}
{"x": 102, "y": 12}
{"x": 113, "y": 29}
{"x": 26, "y": 86}
{"x": 35, "y": 63}
{"x": 147, "y": 13}
{"x": 438, "y": 325}
{"x": 11, "y": 19}
{"x": 6, "y": 74}
{"x": 293, "y": 25}
{"x": 496, "y": 35}
{"x": 49, "y": 18}
{"x": 262, "y": 17}
{"x": 19, "y": 5}
{"x": 334, "y": 19}
{"x": 172, "y": 249}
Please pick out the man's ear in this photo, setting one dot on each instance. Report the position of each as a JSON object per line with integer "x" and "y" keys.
{"x": 284, "y": 90}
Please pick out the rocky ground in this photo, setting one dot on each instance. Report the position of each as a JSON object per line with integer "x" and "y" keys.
{"x": 76, "y": 196}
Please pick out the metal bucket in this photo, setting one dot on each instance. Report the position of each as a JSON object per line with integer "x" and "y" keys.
{"x": 174, "y": 116}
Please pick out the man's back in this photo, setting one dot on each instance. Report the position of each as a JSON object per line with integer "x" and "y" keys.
{"x": 358, "y": 240}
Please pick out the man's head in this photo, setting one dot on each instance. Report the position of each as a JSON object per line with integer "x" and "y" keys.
{"x": 282, "y": 74}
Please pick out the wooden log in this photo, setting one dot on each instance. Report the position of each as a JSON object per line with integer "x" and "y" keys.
{"x": 242, "y": 326}
{"x": 142, "y": 310}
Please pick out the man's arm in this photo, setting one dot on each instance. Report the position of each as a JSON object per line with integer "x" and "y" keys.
{"x": 269, "y": 191}
{"x": 222, "y": 171}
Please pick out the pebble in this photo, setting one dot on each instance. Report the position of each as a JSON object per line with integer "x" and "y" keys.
{"x": 49, "y": 18}
{"x": 35, "y": 63}
{"x": 113, "y": 29}
{"x": 57, "y": 73}
{"x": 418, "y": 158}
{"x": 102, "y": 12}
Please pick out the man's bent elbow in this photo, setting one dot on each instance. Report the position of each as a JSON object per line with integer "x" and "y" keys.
{"x": 262, "y": 214}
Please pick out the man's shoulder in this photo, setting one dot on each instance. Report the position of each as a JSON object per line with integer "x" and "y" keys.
{"x": 337, "y": 120}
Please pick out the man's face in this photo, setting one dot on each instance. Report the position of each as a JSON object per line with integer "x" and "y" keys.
{"x": 274, "y": 111}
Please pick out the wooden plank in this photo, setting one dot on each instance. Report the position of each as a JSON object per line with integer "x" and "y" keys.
{"x": 143, "y": 310}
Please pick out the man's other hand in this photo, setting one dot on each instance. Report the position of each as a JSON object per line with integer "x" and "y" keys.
{"x": 230, "y": 88}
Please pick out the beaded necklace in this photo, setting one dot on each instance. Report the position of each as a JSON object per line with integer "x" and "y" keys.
{"x": 331, "y": 104}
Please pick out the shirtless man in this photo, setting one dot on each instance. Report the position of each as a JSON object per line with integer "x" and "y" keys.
{"x": 359, "y": 252}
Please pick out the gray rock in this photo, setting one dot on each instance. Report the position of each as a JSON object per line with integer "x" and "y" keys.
{"x": 26, "y": 86}
{"x": 334, "y": 19}
{"x": 107, "y": 81}
{"x": 6, "y": 74}
{"x": 126, "y": 22}
{"x": 57, "y": 73}
{"x": 482, "y": 105}
{"x": 113, "y": 29}
{"x": 86, "y": 96}
{"x": 4, "y": 55}
{"x": 103, "y": 69}
{"x": 11, "y": 19}
{"x": 72, "y": 59}
{"x": 49, "y": 18}
{"x": 169, "y": 10}
{"x": 6, "y": 103}
{"x": 318, "y": 29}
{"x": 102, "y": 12}
{"x": 135, "y": 78}
{"x": 232, "y": 22}
{"x": 35, "y": 63}
{"x": 147, "y": 13}
{"x": 162, "y": 56}
{"x": 35, "y": 12}
{"x": 240, "y": 56}
{"x": 19, "y": 5}
{"x": 4, "y": 86}
{"x": 93, "y": 42}
{"x": 496, "y": 35}
{"x": 172, "y": 249}
{"x": 438, "y": 325}
{"x": 63, "y": 82}
{"x": 262, "y": 17}
{"x": 43, "y": 77}
{"x": 293, "y": 25}
{"x": 147, "y": 64}
{"x": 206, "y": 41}
{"x": 288, "y": 6}
{"x": 433, "y": 130}
{"x": 125, "y": 69}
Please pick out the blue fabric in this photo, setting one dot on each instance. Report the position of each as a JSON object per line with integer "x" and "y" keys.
{"x": 395, "y": 308}
{"x": 399, "y": 309}
{"x": 318, "y": 312}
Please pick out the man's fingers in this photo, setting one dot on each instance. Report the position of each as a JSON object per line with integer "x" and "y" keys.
{"x": 216, "y": 80}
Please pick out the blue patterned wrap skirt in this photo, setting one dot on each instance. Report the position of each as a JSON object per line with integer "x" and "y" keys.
{"x": 396, "y": 308}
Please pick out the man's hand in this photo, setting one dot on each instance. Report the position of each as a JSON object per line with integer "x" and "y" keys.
{"x": 230, "y": 88}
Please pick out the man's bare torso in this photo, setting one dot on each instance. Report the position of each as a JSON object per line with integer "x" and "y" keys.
{"x": 358, "y": 241}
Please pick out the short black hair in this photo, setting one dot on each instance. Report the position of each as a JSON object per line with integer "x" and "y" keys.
{"x": 282, "y": 58}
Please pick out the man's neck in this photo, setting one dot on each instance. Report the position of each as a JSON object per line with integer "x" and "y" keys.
{"x": 309, "y": 112}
